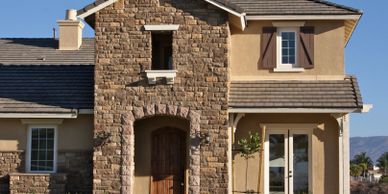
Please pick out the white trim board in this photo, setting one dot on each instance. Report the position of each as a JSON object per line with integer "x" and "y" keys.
{"x": 242, "y": 16}
{"x": 96, "y": 9}
{"x": 289, "y": 110}
{"x": 161, "y": 27}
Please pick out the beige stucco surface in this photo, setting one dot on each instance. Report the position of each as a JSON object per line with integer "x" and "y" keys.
{"x": 143, "y": 130}
{"x": 329, "y": 52}
{"x": 73, "y": 134}
{"x": 324, "y": 146}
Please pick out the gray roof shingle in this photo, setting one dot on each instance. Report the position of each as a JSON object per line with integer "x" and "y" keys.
{"x": 289, "y": 7}
{"x": 296, "y": 94}
{"x": 46, "y": 88}
{"x": 41, "y": 51}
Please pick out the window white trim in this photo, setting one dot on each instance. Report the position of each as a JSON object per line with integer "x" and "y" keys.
{"x": 28, "y": 154}
{"x": 163, "y": 27}
{"x": 280, "y": 66}
{"x": 152, "y": 75}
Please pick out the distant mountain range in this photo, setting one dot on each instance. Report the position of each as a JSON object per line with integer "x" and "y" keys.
{"x": 373, "y": 146}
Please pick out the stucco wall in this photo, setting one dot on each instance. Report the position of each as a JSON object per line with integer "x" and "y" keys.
{"x": 324, "y": 146}
{"x": 143, "y": 130}
{"x": 73, "y": 134}
{"x": 329, "y": 52}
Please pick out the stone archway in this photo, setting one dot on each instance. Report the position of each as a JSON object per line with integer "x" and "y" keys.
{"x": 128, "y": 142}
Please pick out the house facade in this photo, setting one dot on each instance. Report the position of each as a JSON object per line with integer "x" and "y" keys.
{"x": 158, "y": 100}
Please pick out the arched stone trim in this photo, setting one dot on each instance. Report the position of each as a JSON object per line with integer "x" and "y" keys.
{"x": 128, "y": 142}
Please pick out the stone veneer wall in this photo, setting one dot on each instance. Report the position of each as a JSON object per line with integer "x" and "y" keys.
{"x": 78, "y": 166}
{"x": 122, "y": 94}
{"x": 36, "y": 183}
{"x": 10, "y": 162}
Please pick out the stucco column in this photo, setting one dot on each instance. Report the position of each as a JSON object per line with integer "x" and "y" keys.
{"x": 346, "y": 154}
{"x": 233, "y": 121}
{"x": 343, "y": 151}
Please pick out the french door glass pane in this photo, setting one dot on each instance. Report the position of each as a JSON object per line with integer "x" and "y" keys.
{"x": 276, "y": 164}
{"x": 301, "y": 164}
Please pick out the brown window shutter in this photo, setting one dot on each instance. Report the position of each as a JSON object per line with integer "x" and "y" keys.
{"x": 306, "y": 47}
{"x": 268, "y": 48}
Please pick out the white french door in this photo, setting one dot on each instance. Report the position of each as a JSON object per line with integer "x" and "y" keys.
{"x": 287, "y": 162}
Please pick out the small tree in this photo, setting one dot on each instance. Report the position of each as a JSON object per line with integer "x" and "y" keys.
{"x": 248, "y": 147}
{"x": 355, "y": 170}
{"x": 382, "y": 163}
{"x": 364, "y": 161}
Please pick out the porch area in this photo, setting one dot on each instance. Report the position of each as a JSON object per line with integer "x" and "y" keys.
{"x": 299, "y": 154}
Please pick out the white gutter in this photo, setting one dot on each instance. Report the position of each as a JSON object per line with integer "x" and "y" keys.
{"x": 85, "y": 111}
{"x": 366, "y": 108}
{"x": 38, "y": 115}
{"x": 96, "y": 9}
{"x": 289, "y": 110}
{"x": 304, "y": 17}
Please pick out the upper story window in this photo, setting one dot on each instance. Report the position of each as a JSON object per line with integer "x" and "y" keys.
{"x": 287, "y": 39}
{"x": 287, "y": 49}
{"x": 41, "y": 149}
{"x": 162, "y": 51}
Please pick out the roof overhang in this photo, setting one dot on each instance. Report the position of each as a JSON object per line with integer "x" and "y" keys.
{"x": 96, "y": 8}
{"x": 71, "y": 115}
{"x": 351, "y": 20}
{"x": 46, "y": 115}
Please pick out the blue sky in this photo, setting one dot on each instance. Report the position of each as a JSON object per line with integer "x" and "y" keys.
{"x": 364, "y": 54}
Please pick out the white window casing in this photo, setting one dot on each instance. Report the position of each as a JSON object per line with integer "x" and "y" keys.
{"x": 287, "y": 67}
{"x": 29, "y": 147}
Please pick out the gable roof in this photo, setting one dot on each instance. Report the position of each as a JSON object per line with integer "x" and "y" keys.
{"x": 289, "y": 7}
{"x": 46, "y": 88}
{"x": 256, "y": 7}
{"x": 321, "y": 94}
{"x": 33, "y": 51}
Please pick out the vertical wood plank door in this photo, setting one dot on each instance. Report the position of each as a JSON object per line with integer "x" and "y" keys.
{"x": 168, "y": 161}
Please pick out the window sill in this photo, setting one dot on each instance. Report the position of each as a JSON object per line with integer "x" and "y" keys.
{"x": 288, "y": 70}
{"x": 152, "y": 75}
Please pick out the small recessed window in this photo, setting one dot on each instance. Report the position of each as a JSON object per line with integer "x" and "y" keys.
{"x": 42, "y": 149}
{"x": 162, "y": 50}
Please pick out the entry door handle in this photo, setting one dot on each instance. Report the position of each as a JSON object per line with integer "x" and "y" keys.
{"x": 290, "y": 174}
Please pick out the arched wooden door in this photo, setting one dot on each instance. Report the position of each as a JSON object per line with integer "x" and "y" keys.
{"x": 168, "y": 161}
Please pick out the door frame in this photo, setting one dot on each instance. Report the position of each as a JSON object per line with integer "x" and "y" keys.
{"x": 294, "y": 128}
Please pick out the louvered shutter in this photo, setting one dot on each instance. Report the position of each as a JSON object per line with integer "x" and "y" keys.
{"x": 268, "y": 48}
{"x": 306, "y": 47}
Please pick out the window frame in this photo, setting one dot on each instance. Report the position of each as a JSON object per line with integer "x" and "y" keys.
{"x": 29, "y": 149}
{"x": 286, "y": 67}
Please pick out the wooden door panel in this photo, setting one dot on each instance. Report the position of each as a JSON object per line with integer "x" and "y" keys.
{"x": 168, "y": 161}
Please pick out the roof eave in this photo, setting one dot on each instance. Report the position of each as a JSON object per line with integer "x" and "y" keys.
{"x": 293, "y": 110}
